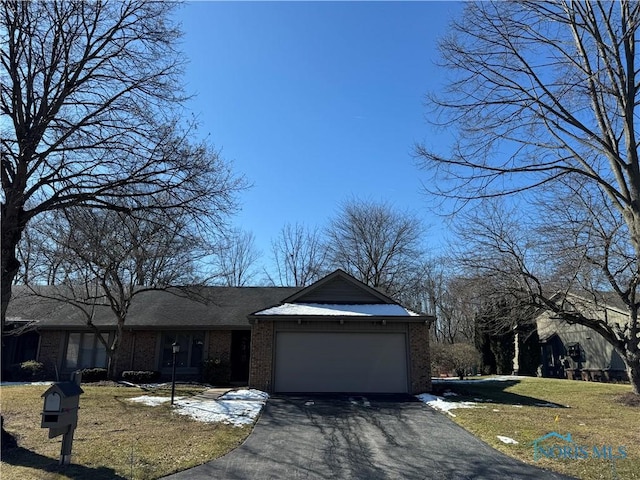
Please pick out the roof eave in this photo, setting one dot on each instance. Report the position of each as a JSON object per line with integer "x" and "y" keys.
{"x": 427, "y": 319}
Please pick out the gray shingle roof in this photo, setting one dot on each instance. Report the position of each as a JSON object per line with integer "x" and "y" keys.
{"x": 204, "y": 307}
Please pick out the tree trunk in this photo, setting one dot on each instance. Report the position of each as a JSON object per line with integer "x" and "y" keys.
{"x": 632, "y": 352}
{"x": 112, "y": 364}
{"x": 12, "y": 227}
{"x": 114, "y": 350}
{"x": 633, "y": 370}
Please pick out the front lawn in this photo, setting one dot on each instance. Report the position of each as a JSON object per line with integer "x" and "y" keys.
{"x": 115, "y": 438}
{"x": 526, "y": 409}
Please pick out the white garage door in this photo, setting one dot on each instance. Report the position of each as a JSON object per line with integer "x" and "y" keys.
{"x": 341, "y": 362}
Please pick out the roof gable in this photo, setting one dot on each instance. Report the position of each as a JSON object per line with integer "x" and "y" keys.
{"x": 339, "y": 288}
{"x": 339, "y": 294}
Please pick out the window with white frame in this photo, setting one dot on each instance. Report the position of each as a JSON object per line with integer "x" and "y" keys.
{"x": 84, "y": 350}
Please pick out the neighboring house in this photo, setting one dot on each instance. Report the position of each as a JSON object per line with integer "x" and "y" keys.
{"x": 337, "y": 335}
{"x": 577, "y": 352}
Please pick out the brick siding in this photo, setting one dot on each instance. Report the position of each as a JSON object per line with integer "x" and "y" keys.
{"x": 420, "y": 369}
{"x": 138, "y": 351}
{"x": 219, "y": 345}
{"x": 261, "y": 366}
{"x": 50, "y": 351}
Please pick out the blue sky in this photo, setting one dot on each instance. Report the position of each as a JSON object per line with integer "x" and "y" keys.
{"x": 317, "y": 103}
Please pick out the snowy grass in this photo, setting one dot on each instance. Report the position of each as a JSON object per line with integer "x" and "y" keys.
{"x": 443, "y": 405}
{"x": 509, "y": 413}
{"x": 237, "y": 407}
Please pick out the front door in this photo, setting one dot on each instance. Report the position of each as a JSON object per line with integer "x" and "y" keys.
{"x": 240, "y": 349}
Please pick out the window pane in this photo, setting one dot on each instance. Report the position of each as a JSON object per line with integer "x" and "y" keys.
{"x": 182, "y": 357}
{"x": 100, "y": 354}
{"x": 167, "y": 349}
{"x": 86, "y": 350}
{"x": 197, "y": 344}
{"x": 167, "y": 340}
{"x": 73, "y": 348}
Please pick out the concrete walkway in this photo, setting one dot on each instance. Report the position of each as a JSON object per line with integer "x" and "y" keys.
{"x": 212, "y": 393}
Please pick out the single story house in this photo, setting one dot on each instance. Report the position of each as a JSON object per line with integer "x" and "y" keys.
{"x": 336, "y": 335}
{"x": 575, "y": 351}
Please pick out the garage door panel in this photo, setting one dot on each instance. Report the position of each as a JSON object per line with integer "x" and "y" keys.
{"x": 340, "y": 362}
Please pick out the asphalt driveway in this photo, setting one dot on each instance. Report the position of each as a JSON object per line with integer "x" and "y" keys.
{"x": 360, "y": 438}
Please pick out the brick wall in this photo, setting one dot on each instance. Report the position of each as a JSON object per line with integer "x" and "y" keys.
{"x": 137, "y": 351}
{"x": 420, "y": 358}
{"x": 124, "y": 352}
{"x": 219, "y": 345}
{"x": 144, "y": 355}
{"x": 50, "y": 351}
{"x": 261, "y": 367}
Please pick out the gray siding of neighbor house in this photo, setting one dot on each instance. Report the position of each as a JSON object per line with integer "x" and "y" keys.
{"x": 597, "y": 359}
{"x": 596, "y": 352}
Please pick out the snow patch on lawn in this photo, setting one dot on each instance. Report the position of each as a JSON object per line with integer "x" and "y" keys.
{"x": 151, "y": 401}
{"x": 238, "y": 407}
{"x": 21, "y": 384}
{"x": 507, "y": 440}
{"x": 233, "y": 412}
{"x": 443, "y": 405}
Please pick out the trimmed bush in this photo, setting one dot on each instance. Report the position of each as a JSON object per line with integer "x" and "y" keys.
{"x": 91, "y": 375}
{"x": 29, "y": 371}
{"x": 216, "y": 371}
{"x": 141, "y": 376}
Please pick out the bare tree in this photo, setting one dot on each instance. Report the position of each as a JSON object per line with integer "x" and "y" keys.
{"x": 41, "y": 259}
{"x": 105, "y": 259}
{"x": 451, "y": 298}
{"x": 299, "y": 255}
{"x": 90, "y": 99}
{"x": 377, "y": 244}
{"x": 235, "y": 258}
{"x": 531, "y": 262}
{"x": 457, "y": 306}
{"x": 544, "y": 92}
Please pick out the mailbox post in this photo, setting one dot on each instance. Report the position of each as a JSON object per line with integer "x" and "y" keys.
{"x": 60, "y": 413}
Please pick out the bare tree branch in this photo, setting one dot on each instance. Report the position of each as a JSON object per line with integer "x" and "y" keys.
{"x": 91, "y": 103}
